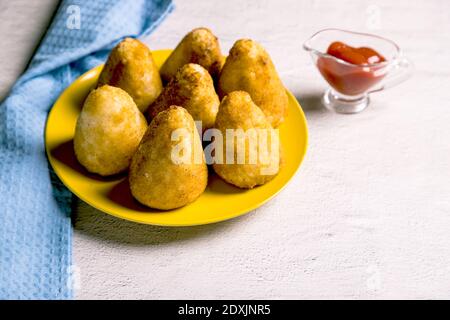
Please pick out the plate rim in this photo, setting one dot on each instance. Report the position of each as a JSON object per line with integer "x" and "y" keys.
{"x": 235, "y": 214}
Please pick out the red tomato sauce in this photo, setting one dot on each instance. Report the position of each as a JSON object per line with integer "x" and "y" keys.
{"x": 358, "y": 75}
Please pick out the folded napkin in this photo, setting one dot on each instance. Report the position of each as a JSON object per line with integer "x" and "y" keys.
{"x": 35, "y": 227}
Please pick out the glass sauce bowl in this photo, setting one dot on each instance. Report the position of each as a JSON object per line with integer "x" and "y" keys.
{"x": 351, "y": 83}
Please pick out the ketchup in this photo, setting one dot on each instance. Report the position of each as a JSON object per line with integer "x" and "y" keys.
{"x": 356, "y": 77}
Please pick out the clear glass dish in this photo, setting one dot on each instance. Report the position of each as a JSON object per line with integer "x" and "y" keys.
{"x": 350, "y": 84}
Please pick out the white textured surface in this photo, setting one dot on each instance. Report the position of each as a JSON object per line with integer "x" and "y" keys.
{"x": 367, "y": 216}
{"x": 22, "y": 24}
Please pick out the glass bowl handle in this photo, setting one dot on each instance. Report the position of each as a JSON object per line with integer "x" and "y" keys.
{"x": 402, "y": 69}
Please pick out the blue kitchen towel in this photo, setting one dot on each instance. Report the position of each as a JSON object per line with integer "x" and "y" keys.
{"x": 35, "y": 227}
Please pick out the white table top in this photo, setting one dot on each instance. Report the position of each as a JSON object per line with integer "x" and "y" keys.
{"x": 367, "y": 215}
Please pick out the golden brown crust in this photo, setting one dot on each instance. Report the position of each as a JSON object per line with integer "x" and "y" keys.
{"x": 249, "y": 68}
{"x": 199, "y": 46}
{"x": 155, "y": 179}
{"x": 237, "y": 111}
{"x": 131, "y": 67}
{"x": 108, "y": 131}
{"x": 193, "y": 89}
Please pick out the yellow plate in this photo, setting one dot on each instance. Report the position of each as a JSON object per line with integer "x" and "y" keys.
{"x": 219, "y": 202}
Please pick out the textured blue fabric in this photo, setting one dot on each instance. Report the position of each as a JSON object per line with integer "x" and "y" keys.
{"x": 35, "y": 227}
